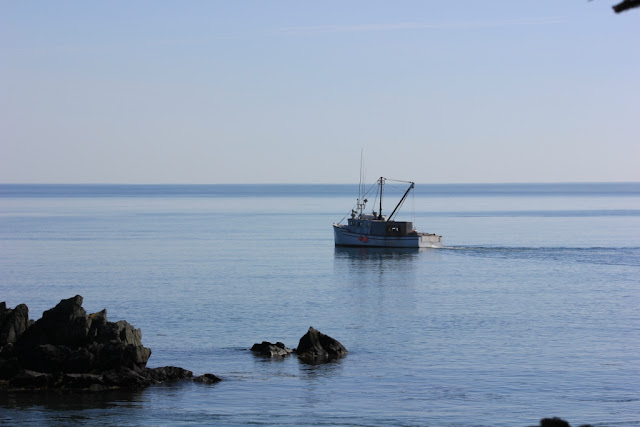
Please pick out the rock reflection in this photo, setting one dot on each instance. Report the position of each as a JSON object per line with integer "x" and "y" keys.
{"x": 71, "y": 401}
{"x": 311, "y": 370}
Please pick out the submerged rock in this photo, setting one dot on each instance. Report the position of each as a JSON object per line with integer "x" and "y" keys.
{"x": 207, "y": 379}
{"x": 317, "y": 347}
{"x": 268, "y": 349}
{"x": 129, "y": 378}
{"x": 553, "y": 422}
{"x": 557, "y": 422}
{"x": 169, "y": 373}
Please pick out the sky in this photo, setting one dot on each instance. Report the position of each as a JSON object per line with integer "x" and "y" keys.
{"x": 207, "y": 92}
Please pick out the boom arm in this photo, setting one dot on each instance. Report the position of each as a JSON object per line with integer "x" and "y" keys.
{"x": 406, "y": 193}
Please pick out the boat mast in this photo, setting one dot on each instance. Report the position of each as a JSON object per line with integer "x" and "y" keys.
{"x": 406, "y": 193}
{"x": 381, "y": 182}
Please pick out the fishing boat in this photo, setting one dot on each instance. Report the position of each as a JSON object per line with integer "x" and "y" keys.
{"x": 377, "y": 230}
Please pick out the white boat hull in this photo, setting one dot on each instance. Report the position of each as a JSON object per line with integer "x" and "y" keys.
{"x": 344, "y": 237}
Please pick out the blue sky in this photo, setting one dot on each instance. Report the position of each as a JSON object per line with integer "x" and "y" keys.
{"x": 292, "y": 91}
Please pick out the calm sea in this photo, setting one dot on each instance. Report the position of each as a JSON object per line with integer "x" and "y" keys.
{"x": 530, "y": 311}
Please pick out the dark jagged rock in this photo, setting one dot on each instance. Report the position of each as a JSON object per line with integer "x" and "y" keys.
{"x": 67, "y": 324}
{"x": 68, "y": 340}
{"x": 47, "y": 358}
{"x": 9, "y": 364}
{"x": 268, "y": 349}
{"x": 119, "y": 331}
{"x": 68, "y": 349}
{"x": 98, "y": 321}
{"x": 207, "y": 379}
{"x": 81, "y": 360}
{"x": 82, "y": 382}
{"x": 31, "y": 380}
{"x": 127, "y": 378}
{"x": 113, "y": 354}
{"x": 168, "y": 373}
{"x": 318, "y": 347}
{"x": 64, "y": 324}
{"x": 12, "y": 323}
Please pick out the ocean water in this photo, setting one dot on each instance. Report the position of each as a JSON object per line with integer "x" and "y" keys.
{"x": 531, "y": 310}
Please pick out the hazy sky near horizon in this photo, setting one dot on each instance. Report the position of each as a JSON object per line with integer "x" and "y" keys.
{"x": 292, "y": 91}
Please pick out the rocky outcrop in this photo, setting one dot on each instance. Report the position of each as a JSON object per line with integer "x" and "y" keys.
{"x": 315, "y": 346}
{"x": 66, "y": 339}
{"x": 68, "y": 349}
{"x": 268, "y": 349}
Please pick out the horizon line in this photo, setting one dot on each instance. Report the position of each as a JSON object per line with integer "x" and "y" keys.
{"x": 312, "y": 183}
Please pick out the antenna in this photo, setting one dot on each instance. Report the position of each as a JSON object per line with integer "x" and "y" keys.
{"x": 361, "y": 186}
{"x": 360, "y": 177}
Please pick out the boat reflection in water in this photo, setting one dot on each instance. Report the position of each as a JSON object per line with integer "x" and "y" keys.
{"x": 374, "y": 253}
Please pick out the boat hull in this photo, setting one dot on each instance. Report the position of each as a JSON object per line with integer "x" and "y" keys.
{"x": 344, "y": 237}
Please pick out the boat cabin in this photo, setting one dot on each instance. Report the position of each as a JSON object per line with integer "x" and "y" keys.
{"x": 380, "y": 227}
